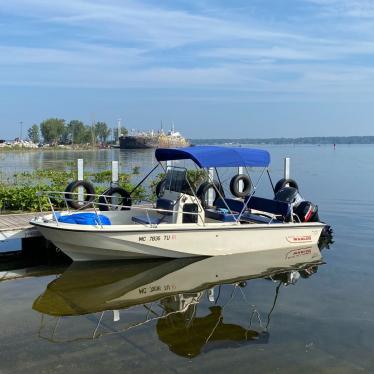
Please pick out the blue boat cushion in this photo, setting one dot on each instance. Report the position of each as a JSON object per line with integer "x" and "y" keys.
{"x": 85, "y": 219}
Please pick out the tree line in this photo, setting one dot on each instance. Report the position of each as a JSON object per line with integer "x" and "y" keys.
{"x": 56, "y": 131}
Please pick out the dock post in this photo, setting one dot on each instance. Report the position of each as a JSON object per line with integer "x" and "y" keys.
{"x": 241, "y": 184}
{"x": 211, "y": 191}
{"x": 115, "y": 173}
{"x": 287, "y": 162}
{"x": 80, "y": 178}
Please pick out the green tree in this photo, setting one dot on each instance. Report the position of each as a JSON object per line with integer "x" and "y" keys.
{"x": 52, "y": 129}
{"x": 89, "y": 135}
{"x": 66, "y": 135}
{"x": 102, "y": 131}
{"x": 34, "y": 133}
{"x": 77, "y": 131}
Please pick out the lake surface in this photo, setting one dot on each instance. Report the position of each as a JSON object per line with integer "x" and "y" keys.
{"x": 201, "y": 315}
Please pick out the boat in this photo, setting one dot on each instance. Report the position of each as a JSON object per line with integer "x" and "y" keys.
{"x": 184, "y": 222}
{"x": 170, "y": 293}
{"x": 90, "y": 287}
{"x": 152, "y": 139}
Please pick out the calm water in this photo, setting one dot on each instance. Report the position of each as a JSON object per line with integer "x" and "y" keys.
{"x": 160, "y": 317}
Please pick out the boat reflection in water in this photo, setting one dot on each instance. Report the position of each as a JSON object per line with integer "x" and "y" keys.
{"x": 171, "y": 292}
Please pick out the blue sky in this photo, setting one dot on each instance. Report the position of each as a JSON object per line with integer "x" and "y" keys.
{"x": 254, "y": 68}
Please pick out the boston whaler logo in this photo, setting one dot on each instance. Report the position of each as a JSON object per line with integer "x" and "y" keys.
{"x": 298, "y": 252}
{"x": 299, "y": 239}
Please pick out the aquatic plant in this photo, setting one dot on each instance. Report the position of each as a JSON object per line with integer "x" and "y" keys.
{"x": 20, "y": 193}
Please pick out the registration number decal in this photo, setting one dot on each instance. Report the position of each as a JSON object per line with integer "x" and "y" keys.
{"x": 157, "y": 288}
{"x": 156, "y": 238}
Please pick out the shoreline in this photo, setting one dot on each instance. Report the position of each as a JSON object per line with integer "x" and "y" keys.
{"x": 197, "y": 142}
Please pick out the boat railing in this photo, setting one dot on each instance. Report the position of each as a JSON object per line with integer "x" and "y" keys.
{"x": 95, "y": 204}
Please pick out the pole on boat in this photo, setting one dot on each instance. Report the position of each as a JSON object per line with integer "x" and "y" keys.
{"x": 115, "y": 181}
{"x": 287, "y": 163}
{"x": 211, "y": 190}
{"x": 115, "y": 173}
{"x": 80, "y": 178}
{"x": 116, "y": 316}
{"x": 169, "y": 163}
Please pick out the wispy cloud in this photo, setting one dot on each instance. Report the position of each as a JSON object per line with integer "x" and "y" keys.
{"x": 346, "y": 8}
{"x": 137, "y": 44}
{"x": 78, "y": 54}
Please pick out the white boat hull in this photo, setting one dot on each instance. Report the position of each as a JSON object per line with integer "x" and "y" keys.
{"x": 92, "y": 243}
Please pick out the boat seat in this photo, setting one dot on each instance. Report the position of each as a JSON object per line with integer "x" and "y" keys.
{"x": 248, "y": 217}
{"x": 221, "y": 214}
{"x": 225, "y": 216}
{"x": 163, "y": 204}
{"x": 233, "y": 204}
{"x": 278, "y": 208}
{"x": 147, "y": 220}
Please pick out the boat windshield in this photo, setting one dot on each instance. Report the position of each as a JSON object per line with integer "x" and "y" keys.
{"x": 176, "y": 179}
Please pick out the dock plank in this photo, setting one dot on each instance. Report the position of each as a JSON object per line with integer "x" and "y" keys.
{"x": 16, "y": 226}
{"x": 16, "y": 219}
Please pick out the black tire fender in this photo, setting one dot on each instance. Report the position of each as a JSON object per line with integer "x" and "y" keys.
{"x": 285, "y": 182}
{"x": 160, "y": 187}
{"x": 202, "y": 192}
{"x": 105, "y": 200}
{"x": 234, "y": 185}
{"x": 71, "y": 199}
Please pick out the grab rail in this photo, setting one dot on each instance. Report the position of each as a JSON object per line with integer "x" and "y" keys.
{"x": 96, "y": 204}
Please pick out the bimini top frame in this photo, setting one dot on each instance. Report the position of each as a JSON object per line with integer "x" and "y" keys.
{"x": 213, "y": 156}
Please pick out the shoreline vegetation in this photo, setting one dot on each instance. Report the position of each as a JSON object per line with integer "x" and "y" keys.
{"x": 18, "y": 193}
{"x": 55, "y": 133}
{"x": 57, "y": 148}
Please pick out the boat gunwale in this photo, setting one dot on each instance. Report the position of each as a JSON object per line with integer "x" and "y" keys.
{"x": 180, "y": 228}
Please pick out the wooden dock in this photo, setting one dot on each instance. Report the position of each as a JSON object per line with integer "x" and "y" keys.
{"x": 17, "y": 226}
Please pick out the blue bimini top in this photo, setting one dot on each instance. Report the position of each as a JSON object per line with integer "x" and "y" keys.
{"x": 213, "y": 156}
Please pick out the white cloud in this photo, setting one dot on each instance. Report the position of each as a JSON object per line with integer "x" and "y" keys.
{"x": 163, "y": 28}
